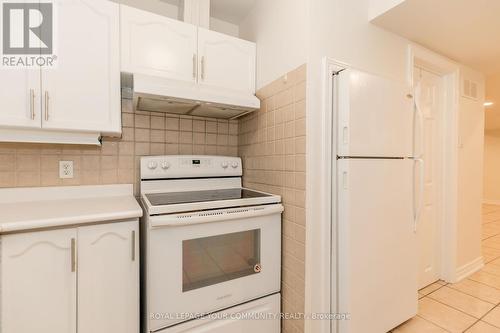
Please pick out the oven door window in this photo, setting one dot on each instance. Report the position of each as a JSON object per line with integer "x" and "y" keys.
{"x": 216, "y": 259}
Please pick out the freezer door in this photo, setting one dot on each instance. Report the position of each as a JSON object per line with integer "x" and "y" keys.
{"x": 375, "y": 116}
{"x": 376, "y": 245}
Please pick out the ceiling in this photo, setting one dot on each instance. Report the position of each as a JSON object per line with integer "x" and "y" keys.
{"x": 233, "y": 11}
{"x": 467, "y": 31}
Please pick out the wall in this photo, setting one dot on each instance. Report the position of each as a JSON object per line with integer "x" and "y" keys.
{"x": 492, "y": 113}
{"x": 491, "y": 193}
{"x": 172, "y": 11}
{"x": 378, "y": 7}
{"x": 117, "y": 161}
{"x": 272, "y": 143}
{"x": 279, "y": 28}
{"x": 470, "y": 172}
{"x": 224, "y": 27}
{"x": 154, "y": 6}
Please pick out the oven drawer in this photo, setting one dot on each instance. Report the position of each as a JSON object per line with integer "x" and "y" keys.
{"x": 199, "y": 268}
{"x": 262, "y": 316}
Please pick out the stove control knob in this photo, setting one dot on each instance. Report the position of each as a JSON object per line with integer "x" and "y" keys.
{"x": 234, "y": 165}
{"x": 224, "y": 165}
{"x": 152, "y": 165}
{"x": 165, "y": 165}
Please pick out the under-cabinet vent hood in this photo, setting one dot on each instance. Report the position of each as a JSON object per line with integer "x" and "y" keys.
{"x": 157, "y": 94}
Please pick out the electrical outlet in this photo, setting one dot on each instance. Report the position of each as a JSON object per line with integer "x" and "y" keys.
{"x": 66, "y": 169}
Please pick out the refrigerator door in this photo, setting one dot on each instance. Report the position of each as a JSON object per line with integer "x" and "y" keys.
{"x": 376, "y": 245}
{"x": 375, "y": 116}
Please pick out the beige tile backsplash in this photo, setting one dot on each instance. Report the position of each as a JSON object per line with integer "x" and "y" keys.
{"x": 272, "y": 143}
{"x": 117, "y": 161}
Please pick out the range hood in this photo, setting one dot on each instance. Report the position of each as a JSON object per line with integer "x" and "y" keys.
{"x": 158, "y": 94}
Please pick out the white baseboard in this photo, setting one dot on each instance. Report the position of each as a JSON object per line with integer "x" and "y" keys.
{"x": 491, "y": 202}
{"x": 468, "y": 269}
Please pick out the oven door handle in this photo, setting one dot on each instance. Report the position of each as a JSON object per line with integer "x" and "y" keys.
{"x": 180, "y": 220}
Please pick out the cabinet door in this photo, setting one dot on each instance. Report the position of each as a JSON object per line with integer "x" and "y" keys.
{"x": 158, "y": 46}
{"x": 83, "y": 91}
{"x": 108, "y": 278}
{"x": 226, "y": 62}
{"x": 20, "y": 98}
{"x": 38, "y": 282}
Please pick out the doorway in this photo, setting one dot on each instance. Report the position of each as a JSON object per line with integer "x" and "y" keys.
{"x": 430, "y": 101}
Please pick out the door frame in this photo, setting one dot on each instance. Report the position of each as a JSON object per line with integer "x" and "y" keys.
{"x": 450, "y": 73}
{"x": 323, "y": 231}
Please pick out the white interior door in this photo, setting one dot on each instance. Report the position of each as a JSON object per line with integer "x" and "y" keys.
{"x": 376, "y": 254}
{"x": 430, "y": 95}
{"x": 375, "y": 116}
{"x": 108, "y": 278}
{"x": 83, "y": 91}
{"x": 38, "y": 282}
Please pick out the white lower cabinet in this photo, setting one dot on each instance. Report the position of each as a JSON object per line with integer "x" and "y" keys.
{"x": 39, "y": 271}
{"x": 108, "y": 278}
{"x": 38, "y": 284}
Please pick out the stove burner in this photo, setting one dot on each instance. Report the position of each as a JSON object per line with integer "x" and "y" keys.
{"x": 171, "y": 198}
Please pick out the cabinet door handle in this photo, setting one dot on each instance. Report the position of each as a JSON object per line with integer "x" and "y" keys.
{"x": 73, "y": 255}
{"x": 133, "y": 245}
{"x": 32, "y": 104}
{"x": 195, "y": 62}
{"x": 46, "y": 106}
{"x": 203, "y": 68}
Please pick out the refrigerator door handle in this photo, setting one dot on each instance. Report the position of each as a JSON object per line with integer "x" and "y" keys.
{"x": 418, "y": 114}
{"x": 417, "y": 207}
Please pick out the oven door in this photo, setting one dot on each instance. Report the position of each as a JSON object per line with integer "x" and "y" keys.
{"x": 203, "y": 262}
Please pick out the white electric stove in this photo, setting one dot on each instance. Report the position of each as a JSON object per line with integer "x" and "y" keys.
{"x": 211, "y": 248}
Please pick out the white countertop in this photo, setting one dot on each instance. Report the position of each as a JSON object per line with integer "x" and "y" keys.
{"x": 24, "y": 209}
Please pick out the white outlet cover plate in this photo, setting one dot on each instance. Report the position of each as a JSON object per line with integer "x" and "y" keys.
{"x": 66, "y": 169}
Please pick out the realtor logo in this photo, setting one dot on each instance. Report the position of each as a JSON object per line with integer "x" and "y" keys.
{"x": 27, "y": 34}
{"x": 27, "y": 28}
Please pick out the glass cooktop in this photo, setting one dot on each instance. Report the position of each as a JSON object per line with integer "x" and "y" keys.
{"x": 172, "y": 198}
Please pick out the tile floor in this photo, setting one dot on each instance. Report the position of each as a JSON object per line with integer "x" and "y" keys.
{"x": 471, "y": 305}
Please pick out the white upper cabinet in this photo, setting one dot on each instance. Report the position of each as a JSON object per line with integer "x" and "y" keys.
{"x": 20, "y": 98}
{"x": 157, "y": 45}
{"x": 226, "y": 62}
{"x": 83, "y": 91}
{"x": 77, "y": 99}
{"x": 163, "y": 47}
{"x": 108, "y": 278}
{"x": 38, "y": 282}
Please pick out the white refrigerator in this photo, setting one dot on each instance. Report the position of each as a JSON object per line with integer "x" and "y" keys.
{"x": 376, "y": 204}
